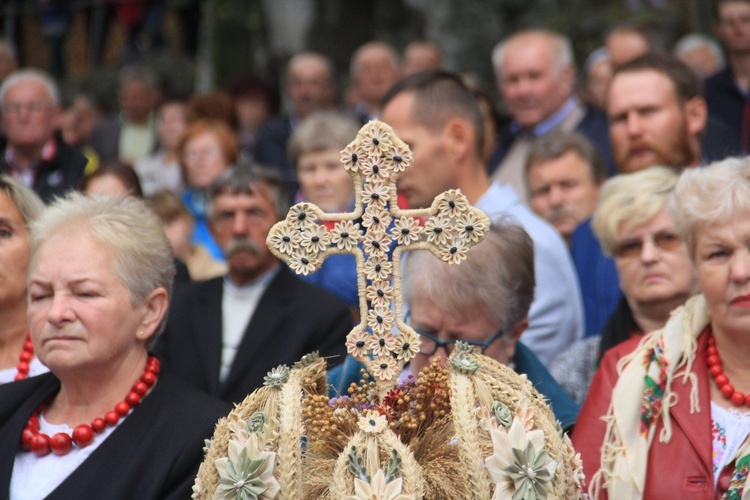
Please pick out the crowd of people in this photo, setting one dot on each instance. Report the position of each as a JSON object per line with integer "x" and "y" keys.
{"x": 616, "y": 275}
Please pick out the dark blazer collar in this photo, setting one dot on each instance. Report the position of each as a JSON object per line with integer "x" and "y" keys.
{"x": 271, "y": 309}
{"x": 207, "y": 329}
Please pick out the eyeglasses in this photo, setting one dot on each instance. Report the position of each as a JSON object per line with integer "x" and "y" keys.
{"x": 32, "y": 107}
{"x": 429, "y": 344}
{"x": 632, "y": 248}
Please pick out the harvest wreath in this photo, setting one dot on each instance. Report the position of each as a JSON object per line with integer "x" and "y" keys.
{"x": 472, "y": 429}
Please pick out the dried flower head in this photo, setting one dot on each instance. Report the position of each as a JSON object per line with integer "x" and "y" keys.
{"x": 438, "y": 229}
{"x": 277, "y": 376}
{"x": 350, "y": 157}
{"x": 379, "y": 293}
{"x": 376, "y": 194}
{"x": 452, "y": 203}
{"x": 286, "y": 240}
{"x": 378, "y": 268}
{"x": 371, "y": 422}
{"x": 356, "y": 343}
{"x": 315, "y": 239}
{"x": 406, "y": 230}
{"x": 346, "y": 235}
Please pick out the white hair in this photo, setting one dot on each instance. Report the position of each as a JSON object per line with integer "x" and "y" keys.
{"x": 562, "y": 49}
{"x": 693, "y": 41}
{"x": 31, "y": 75}
{"x": 709, "y": 195}
{"x": 127, "y": 227}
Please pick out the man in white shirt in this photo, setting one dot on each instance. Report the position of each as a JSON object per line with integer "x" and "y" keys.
{"x": 438, "y": 117}
{"x": 224, "y": 335}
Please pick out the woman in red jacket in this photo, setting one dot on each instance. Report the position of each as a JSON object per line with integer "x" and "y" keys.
{"x": 676, "y": 410}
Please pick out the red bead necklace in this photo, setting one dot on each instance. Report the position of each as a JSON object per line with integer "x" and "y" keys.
{"x": 83, "y": 435}
{"x": 722, "y": 381}
{"x": 24, "y": 360}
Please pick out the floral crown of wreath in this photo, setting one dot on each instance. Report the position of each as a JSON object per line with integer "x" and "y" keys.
{"x": 474, "y": 429}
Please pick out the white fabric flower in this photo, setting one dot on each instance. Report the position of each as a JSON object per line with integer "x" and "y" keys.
{"x": 378, "y": 489}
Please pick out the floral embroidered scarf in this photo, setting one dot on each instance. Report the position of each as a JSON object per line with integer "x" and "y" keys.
{"x": 643, "y": 395}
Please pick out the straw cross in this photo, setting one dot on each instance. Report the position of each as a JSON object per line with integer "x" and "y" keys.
{"x": 377, "y": 232}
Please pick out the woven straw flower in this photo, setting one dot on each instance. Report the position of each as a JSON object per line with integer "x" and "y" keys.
{"x": 376, "y": 194}
{"x": 437, "y": 229}
{"x": 372, "y": 422}
{"x": 380, "y": 320}
{"x": 376, "y": 219}
{"x": 455, "y": 252}
{"x": 406, "y": 230}
{"x": 384, "y": 367}
{"x": 379, "y": 293}
{"x": 376, "y": 138}
{"x": 472, "y": 228}
{"x": 346, "y": 235}
{"x": 356, "y": 343}
{"x": 302, "y": 215}
{"x": 378, "y": 489}
{"x": 378, "y": 268}
{"x": 315, "y": 239}
{"x": 407, "y": 346}
{"x": 277, "y": 376}
{"x": 376, "y": 243}
{"x": 381, "y": 344}
{"x": 452, "y": 203}
{"x": 373, "y": 170}
{"x": 302, "y": 263}
{"x": 247, "y": 472}
{"x": 286, "y": 240}
{"x": 399, "y": 157}
{"x": 519, "y": 464}
{"x": 350, "y": 157}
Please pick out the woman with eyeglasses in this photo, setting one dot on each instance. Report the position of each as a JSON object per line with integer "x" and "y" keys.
{"x": 668, "y": 416}
{"x": 654, "y": 269}
{"x": 484, "y": 301}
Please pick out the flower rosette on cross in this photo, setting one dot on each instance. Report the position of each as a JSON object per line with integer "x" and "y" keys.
{"x": 377, "y": 232}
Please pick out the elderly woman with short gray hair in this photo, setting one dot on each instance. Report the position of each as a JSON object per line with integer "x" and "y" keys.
{"x": 681, "y": 394}
{"x": 105, "y": 422}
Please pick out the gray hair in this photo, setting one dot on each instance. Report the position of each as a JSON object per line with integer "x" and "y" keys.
{"x": 710, "y": 195}
{"x": 635, "y": 198}
{"x": 128, "y": 228}
{"x": 31, "y": 75}
{"x": 562, "y": 49}
{"x": 367, "y": 47}
{"x": 23, "y": 197}
{"x": 310, "y": 56}
{"x": 693, "y": 41}
{"x": 320, "y": 131}
{"x": 555, "y": 144}
{"x": 250, "y": 179}
{"x": 495, "y": 281}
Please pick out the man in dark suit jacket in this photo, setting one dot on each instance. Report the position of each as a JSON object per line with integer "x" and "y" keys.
{"x": 30, "y": 149}
{"x": 224, "y": 335}
{"x": 130, "y": 135}
{"x": 536, "y": 75}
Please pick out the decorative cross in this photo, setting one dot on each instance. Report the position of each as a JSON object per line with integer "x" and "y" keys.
{"x": 375, "y": 160}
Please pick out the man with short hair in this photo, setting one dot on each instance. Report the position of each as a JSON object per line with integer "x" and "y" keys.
{"x": 564, "y": 174}
{"x": 224, "y": 335}
{"x": 728, "y": 92}
{"x": 439, "y": 118}
{"x": 656, "y": 114}
{"x": 536, "y": 75}
{"x": 374, "y": 68}
{"x": 309, "y": 87}
{"x": 130, "y": 135}
{"x": 31, "y": 149}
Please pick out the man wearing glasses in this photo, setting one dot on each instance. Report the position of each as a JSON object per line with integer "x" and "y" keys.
{"x": 31, "y": 150}
{"x": 484, "y": 301}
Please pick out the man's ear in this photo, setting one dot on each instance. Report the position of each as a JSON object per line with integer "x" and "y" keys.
{"x": 696, "y": 114}
{"x": 459, "y": 137}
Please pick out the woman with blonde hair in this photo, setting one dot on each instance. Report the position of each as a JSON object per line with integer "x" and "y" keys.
{"x": 653, "y": 267}
{"x": 19, "y": 207}
{"x": 668, "y": 415}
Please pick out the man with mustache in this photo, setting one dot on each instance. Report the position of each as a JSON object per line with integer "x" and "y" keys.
{"x": 656, "y": 114}
{"x": 564, "y": 174}
{"x": 224, "y": 335}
